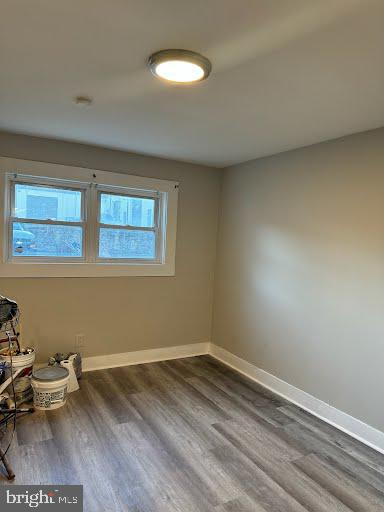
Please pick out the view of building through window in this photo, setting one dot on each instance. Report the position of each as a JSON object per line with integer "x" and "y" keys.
{"x": 119, "y": 210}
{"x": 122, "y": 243}
{"x": 127, "y": 210}
{"x": 45, "y": 203}
{"x": 52, "y": 206}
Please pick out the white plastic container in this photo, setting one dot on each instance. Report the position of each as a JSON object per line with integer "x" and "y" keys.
{"x": 73, "y": 385}
{"x": 50, "y": 387}
{"x": 24, "y": 363}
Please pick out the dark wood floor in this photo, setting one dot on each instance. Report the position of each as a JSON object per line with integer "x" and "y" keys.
{"x": 194, "y": 436}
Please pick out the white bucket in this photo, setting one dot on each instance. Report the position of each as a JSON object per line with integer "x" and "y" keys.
{"x": 50, "y": 387}
{"x": 23, "y": 381}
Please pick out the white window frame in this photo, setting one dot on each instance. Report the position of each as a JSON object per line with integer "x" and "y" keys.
{"x": 92, "y": 183}
{"x": 158, "y": 227}
{"x": 12, "y": 179}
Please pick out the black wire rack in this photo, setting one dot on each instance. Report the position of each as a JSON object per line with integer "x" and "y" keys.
{"x": 9, "y": 321}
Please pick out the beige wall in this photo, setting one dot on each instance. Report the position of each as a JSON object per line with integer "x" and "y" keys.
{"x": 300, "y": 276}
{"x": 126, "y": 313}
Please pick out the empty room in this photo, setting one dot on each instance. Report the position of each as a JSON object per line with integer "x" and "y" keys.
{"x": 192, "y": 255}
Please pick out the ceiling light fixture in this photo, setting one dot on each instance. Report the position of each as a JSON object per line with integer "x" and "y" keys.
{"x": 179, "y": 66}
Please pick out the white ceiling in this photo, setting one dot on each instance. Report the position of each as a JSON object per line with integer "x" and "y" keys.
{"x": 286, "y": 73}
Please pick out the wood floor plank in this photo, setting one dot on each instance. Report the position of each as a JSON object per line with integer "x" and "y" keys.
{"x": 219, "y": 369}
{"x": 349, "y": 489}
{"x": 37, "y": 429}
{"x": 112, "y": 397}
{"x": 237, "y": 388}
{"x": 243, "y": 504}
{"x": 165, "y": 414}
{"x": 202, "y": 406}
{"x": 121, "y": 377}
{"x": 183, "y": 444}
{"x": 355, "y": 448}
{"x": 256, "y": 484}
{"x": 276, "y": 463}
{"x": 335, "y": 455}
{"x": 193, "y": 435}
{"x": 163, "y": 482}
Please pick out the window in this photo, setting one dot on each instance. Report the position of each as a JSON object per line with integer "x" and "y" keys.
{"x": 64, "y": 221}
{"x": 128, "y": 226}
{"x": 46, "y": 221}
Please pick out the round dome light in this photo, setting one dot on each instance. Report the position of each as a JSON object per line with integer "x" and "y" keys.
{"x": 179, "y": 66}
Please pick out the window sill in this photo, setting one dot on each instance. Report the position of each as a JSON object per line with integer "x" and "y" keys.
{"x": 85, "y": 269}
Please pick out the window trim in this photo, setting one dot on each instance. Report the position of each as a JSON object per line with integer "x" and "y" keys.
{"x": 97, "y": 181}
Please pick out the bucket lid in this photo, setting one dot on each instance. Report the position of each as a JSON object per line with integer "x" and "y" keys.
{"x": 50, "y": 373}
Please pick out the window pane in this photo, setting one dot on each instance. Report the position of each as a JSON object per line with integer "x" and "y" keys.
{"x": 122, "y": 243}
{"x": 42, "y": 202}
{"x": 42, "y": 240}
{"x": 127, "y": 211}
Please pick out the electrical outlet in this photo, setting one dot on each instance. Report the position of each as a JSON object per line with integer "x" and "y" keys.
{"x": 79, "y": 341}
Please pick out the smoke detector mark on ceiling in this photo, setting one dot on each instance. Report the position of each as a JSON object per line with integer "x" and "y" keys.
{"x": 83, "y": 101}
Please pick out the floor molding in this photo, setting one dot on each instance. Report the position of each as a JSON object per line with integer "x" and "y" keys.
{"x": 339, "y": 419}
{"x": 144, "y": 356}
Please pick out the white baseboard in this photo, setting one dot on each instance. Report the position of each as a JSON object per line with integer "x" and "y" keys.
{"x": 144, "y": 356}
{"x": 348, "y": 424}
